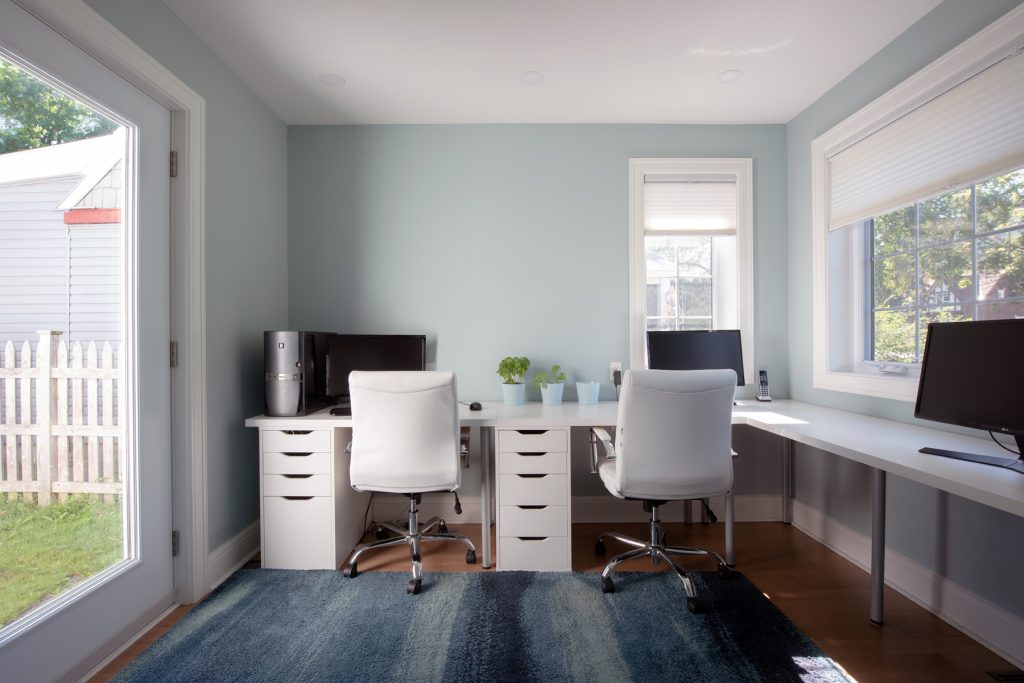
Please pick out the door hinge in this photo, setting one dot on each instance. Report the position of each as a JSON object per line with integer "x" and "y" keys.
{"x": 174, "y": 164}
{"x": 175, "y": 544}
{"x": 174, "y": 354}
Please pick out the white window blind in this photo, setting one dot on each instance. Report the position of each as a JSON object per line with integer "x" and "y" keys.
{"x": 971, "y": 131}
{"x": 678, "y": 205}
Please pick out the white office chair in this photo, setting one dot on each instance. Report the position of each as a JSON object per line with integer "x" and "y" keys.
{"x": 672, "y": 442}
{"x": 405, "y": 439}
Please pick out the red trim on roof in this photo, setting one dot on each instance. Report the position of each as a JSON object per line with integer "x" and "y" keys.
{"x": 89, "y": 216}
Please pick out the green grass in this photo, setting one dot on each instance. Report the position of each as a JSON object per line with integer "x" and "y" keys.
{"x": 46, "y": 550}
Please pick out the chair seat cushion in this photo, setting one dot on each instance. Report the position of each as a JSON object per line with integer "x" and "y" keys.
{"x": 671, "y": 490}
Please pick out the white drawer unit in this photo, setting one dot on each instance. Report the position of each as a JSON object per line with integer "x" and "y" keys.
{"x": 301, "y": 479}
{"x": 532, "y": 474}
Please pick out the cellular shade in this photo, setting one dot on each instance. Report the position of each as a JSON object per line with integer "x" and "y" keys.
{"x": 972, "y": 131}
{"x": 677, "y": 205}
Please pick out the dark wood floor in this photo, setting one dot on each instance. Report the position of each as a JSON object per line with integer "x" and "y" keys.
{"x": 822, "y": 593}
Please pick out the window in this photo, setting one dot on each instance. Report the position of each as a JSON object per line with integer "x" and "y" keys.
{"x": 918, "y": 215}
{"x": 958, "y": 256}
{"x": 690, "y": 249}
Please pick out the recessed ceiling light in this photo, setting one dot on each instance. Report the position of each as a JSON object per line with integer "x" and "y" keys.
{"x": 331, "y": 80}
{"x": 532, "y": 78}
{"x": 730, "y": 76}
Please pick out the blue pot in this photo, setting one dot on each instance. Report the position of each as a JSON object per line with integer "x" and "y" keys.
{"x": 551, "y": 393}
{"x": 513, "y": 394}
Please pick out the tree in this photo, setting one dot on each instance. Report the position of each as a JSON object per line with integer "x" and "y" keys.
{"x": 32, "y": 114}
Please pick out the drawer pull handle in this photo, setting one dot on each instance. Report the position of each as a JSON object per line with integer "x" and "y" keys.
{"x": 532, "y": 431}
{"x": 532, "y": 538}
{"x": 298, "y": 497}
{"x": 531, "y": 454}
{"x": 298, "y": 432}
{"x": 531, "y": 476}
{"x": 297, "y": 476}
{"x": 297, "y": 454}
{"x": 532, "y": 507}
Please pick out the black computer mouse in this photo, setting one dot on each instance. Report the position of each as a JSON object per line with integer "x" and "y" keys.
{"x": 475, "y": 405}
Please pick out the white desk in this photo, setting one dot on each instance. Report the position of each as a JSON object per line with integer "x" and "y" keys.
{"x": 884, "y": 445}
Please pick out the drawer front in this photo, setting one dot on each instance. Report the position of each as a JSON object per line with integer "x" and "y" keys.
{"x": 533, "y": 463}
{"x": 548, "y": 489}
{"x": 550, "y": 520}
{"x": 296, "y": 485}
{"x": 547, "y": 441}
{"x": 303, "y": 441}
{"x": 547, "y": 554}
{"x": 298, "y": 534}
{"x": 296, "y": 463}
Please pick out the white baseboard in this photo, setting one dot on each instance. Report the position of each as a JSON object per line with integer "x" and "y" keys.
{"x": 233, "y": 555}
{"x": 985, "y": 622}
{"x": 585, "y": 509}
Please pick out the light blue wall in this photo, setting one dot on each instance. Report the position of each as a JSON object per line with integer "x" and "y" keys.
{"x": 246, "y": 243}
{"x": 965, "y": 541}
{"x": 501, "y": 240}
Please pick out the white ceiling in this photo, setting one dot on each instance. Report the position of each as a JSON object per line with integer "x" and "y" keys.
{"x": 603, "y": 61}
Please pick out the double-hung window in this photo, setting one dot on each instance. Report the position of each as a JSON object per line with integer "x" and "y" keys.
{"x": 918, "y": 215}
{"x": 690, "y": 249}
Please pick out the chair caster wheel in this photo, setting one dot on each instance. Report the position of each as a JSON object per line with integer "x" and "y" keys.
{"x": 599, "y": 548}
{"x": 381, "y": 533}
{"x": 350, "y": 571}
{"x": 725, "y": 572}
{"x": 416, "y": 557}
{"x": 471, "y": 556}
{"x": 442, "y": 528}
{"x": 607, "y": 585}
{"x": 694, "y": 605}
{"x": 413, "y": 587}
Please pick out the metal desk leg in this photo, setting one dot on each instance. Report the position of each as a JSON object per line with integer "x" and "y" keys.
{"x": 486, "y": 494}
{"x": 687, "y": 512}
{"x": 730, "y": 550}
{"x": 877, "y": 546}
{"x": 703, "y": 510}
{"x": 787, "y": 481}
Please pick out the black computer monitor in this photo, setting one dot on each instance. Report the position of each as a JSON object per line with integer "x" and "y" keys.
{"x": 696, "y": 350}
{"x": 972, "y": 375}
{"x": 348, "y": 352}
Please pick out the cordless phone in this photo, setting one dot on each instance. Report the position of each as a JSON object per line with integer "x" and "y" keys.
{"x": 762, "y": 386}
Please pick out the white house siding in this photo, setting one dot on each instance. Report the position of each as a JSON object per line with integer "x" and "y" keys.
{"x": 55, "y": 276}
{"x": 33, "y": 258}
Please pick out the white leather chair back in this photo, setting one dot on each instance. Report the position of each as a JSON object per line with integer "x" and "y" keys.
{"x": 674, "y": 434}
{"x": 405, "y": 432}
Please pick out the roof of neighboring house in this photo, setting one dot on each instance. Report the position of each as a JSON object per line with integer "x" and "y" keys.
{"x": 89, "y": 159}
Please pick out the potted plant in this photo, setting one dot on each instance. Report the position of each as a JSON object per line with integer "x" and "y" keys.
{"x": 550, "y": 389}
{"x": 512, "y": 370}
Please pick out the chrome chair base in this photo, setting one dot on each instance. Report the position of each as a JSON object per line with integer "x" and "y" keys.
{"x": 656, "y": 549}
{"x": 414, "y": 535}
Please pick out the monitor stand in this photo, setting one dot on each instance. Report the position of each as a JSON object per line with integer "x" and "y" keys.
{"x": 1016, "y": 464}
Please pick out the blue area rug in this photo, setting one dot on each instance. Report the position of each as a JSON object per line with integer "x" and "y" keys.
{"x": 275, "y": 625}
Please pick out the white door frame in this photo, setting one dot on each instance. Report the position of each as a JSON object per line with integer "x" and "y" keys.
{"x": 84, "y": 27}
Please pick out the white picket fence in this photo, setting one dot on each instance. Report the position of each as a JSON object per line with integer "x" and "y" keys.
{"x": 59, "y": 431}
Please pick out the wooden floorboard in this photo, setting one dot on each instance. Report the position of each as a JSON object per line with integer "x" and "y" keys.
{"x": 825, "y": 595}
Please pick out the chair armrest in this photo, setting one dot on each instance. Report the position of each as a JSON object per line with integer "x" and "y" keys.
{"x": 600, "y": 434}
{"x": 464, "y": 446}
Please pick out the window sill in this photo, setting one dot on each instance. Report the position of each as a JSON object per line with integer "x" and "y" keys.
{"x": 897, "y": 388}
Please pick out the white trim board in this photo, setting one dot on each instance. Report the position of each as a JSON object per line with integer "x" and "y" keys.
{"x": 234, "y": 554}
{"x": 84, "y": 27}
{"x": 985, "y": 622}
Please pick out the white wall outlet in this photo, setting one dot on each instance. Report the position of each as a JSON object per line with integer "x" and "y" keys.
{"x": 614, "y": 365}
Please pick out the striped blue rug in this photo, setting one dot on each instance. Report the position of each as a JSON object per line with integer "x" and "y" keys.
{"x": 275, "y": 625}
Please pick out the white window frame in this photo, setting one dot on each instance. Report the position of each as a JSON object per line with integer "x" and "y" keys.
{"x": 979, "y": 51}
{"x": 742, "y": 170}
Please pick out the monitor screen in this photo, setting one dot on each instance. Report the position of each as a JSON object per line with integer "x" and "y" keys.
{"x": 696, "y": 350}
{"x": 348, "y": 352}
{"x": 973, "y": 375}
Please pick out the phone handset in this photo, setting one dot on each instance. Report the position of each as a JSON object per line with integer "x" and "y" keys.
{"x": 762, "y": 387}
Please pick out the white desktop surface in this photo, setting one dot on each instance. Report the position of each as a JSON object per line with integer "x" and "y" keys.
{"x": 883, "y": 444}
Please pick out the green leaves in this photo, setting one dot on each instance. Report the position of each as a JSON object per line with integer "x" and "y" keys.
{"x": 513, "y": 368}
{"x": 32, "y": 114}
{"x": 541, "y": 378}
